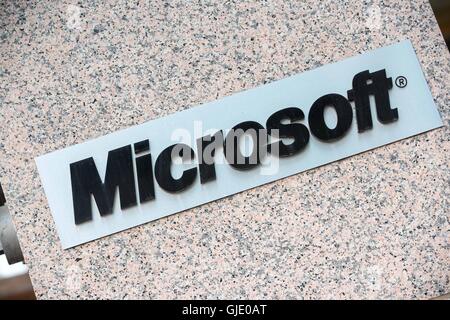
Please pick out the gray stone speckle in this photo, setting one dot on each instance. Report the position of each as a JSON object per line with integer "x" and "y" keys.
{"x": 98, "y": 28}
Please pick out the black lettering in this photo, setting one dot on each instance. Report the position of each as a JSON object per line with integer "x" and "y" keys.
{"x": 86, "y": 182}
{"x": 144, "y": 171}
{"x": 164, "y": 163}
{"x": 206, "y": 147}
{"x": 231, "y": 145}
{"x": 316, "y": 119}
{"x": 297, "y": 131}
{"x": 377, "y": 84}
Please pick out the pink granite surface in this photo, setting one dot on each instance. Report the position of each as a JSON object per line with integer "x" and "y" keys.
{"x": 375, "y": 225}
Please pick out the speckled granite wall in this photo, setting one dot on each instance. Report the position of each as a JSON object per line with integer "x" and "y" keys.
{"x": 372, "y": 226}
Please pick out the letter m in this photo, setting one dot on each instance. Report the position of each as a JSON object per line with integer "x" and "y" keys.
{"x": 86, "y": 182}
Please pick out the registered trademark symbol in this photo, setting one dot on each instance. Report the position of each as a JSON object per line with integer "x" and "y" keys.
{"x": 401, "y": 81}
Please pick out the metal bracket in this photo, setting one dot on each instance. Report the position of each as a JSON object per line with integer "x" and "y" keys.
{"x": 9, "y": 244}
